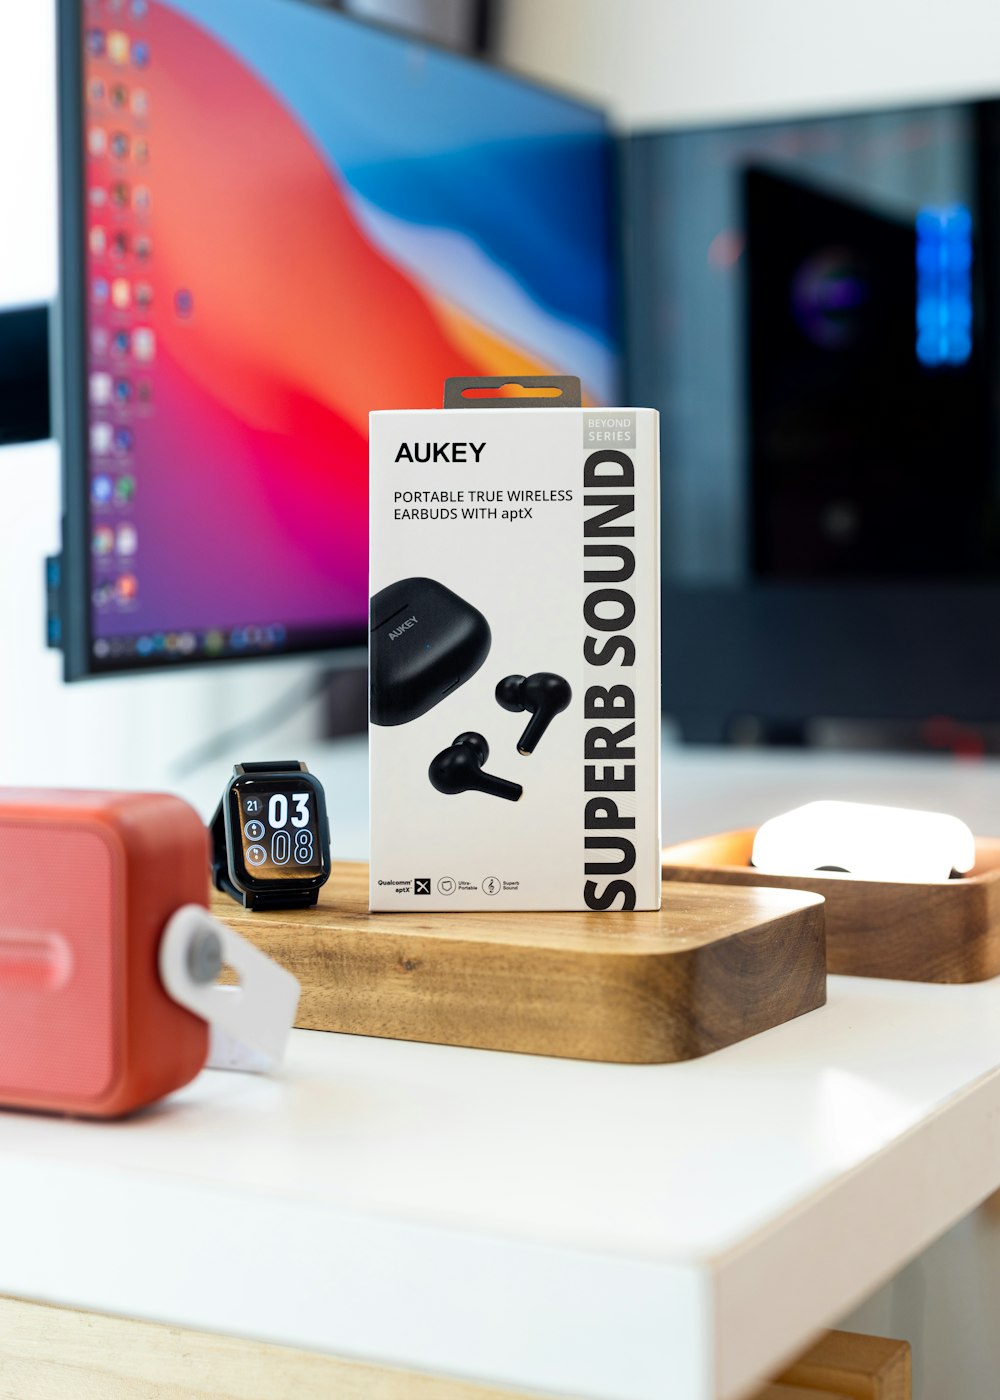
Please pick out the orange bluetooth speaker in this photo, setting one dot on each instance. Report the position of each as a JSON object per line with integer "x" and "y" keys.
{"x": 87, "y": 882}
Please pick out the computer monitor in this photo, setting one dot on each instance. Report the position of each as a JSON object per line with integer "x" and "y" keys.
{"x": 274, "y": 219}
{"x": 815, "y": 309}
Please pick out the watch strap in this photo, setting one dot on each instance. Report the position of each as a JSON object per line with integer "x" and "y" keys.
{"x": 285, "y": 765}
{"x": 220, "y": 854}
{"x": 305, "y": 900}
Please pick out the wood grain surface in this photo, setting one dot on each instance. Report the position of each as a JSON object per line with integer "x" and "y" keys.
{"x": 947, "y": 931}
{"x": 856, "y": 1365}
{"x": 51, "y": 1353}
{"x": 58, "y": 1354}
{"x": 796, "y": 1392}
{"x": 712, "y": 967}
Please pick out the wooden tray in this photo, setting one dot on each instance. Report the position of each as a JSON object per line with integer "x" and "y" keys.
{"x": 712, "y": 967}
{"x": 948, "y": 931}
{"x": 851, "y": 1363}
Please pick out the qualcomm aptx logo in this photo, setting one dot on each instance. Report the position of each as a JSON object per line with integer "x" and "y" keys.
{"x": 422, "y": 886}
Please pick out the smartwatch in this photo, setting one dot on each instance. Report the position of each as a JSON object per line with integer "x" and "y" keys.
{"x": 271, "y": 837}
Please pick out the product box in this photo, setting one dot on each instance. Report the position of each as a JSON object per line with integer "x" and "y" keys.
{"x": 514, "y": 654}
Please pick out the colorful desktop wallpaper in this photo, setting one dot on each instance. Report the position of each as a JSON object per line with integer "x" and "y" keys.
{"x": 294, "y": 219}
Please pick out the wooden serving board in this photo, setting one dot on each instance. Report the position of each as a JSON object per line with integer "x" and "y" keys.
{"x": 712, "y": 967}
{"x": 945, "y": 931}
{"x": 853, "y": 1364}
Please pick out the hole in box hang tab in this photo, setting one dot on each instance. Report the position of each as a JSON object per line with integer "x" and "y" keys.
{"x": 513, "y": 390}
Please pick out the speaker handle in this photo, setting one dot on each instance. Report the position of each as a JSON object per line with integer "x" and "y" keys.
{"x": 250, "y": 1023}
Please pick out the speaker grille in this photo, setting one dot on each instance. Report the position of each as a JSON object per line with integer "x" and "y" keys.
{"x": 60, "y": 941}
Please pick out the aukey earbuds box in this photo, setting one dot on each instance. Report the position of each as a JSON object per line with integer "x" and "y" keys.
{"x": 515, "y": 654}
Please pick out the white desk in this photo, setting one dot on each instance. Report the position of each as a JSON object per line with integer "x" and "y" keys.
{"x": 626, "y": 1233}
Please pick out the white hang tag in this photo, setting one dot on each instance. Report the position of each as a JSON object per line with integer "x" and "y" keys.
{"x": 226, "y": 1052}
{"x": 250, "y": 1023}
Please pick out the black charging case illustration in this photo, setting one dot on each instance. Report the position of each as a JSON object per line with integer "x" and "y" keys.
{"x": 426, "y": 641}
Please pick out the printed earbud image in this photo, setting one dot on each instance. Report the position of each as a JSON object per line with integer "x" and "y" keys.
{"x": 545, "y": 695}
{"x": 460, "y": 769}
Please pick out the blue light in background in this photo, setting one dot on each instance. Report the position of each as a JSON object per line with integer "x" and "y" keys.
{"x": 944, "y": 285}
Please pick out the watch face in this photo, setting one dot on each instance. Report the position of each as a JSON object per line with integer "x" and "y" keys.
{"x": 278, "y": 825}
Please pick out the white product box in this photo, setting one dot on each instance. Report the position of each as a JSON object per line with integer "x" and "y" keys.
{"x": 512, "y": 542}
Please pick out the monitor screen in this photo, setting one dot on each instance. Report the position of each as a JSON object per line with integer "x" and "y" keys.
{"x": 286, "y": 219}
{"x": 823, "y": 345}
{"x": 813, "y": 307}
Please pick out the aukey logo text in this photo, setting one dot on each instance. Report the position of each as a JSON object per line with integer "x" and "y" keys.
{"x": 439, "y": 451}
{"x": 397, "y": 632}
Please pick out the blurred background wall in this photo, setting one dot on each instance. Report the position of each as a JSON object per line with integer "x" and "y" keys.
{"x": 661, "y": 62}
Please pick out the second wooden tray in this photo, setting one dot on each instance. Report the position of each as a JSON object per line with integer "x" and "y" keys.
{"x": 712, "y": 967}
{"x": 948, "y": 931}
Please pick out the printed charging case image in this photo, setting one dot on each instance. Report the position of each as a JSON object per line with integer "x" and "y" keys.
{"x": 426, "y": 641}
{"x": 88, "y": 881}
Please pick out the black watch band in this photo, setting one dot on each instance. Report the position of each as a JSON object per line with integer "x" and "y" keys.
{"x": 221, "y": 878}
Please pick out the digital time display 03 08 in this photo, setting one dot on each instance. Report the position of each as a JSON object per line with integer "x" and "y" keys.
{"x": 279, "y": 831}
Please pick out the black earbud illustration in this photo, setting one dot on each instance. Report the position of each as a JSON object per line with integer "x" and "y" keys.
{"x": 460, "y": 769}
{"x": 543, "y": 694}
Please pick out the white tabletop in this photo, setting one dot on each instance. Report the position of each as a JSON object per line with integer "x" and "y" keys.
{"x": 584, "y": 1229}
{"x": 588, "y": 1230}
